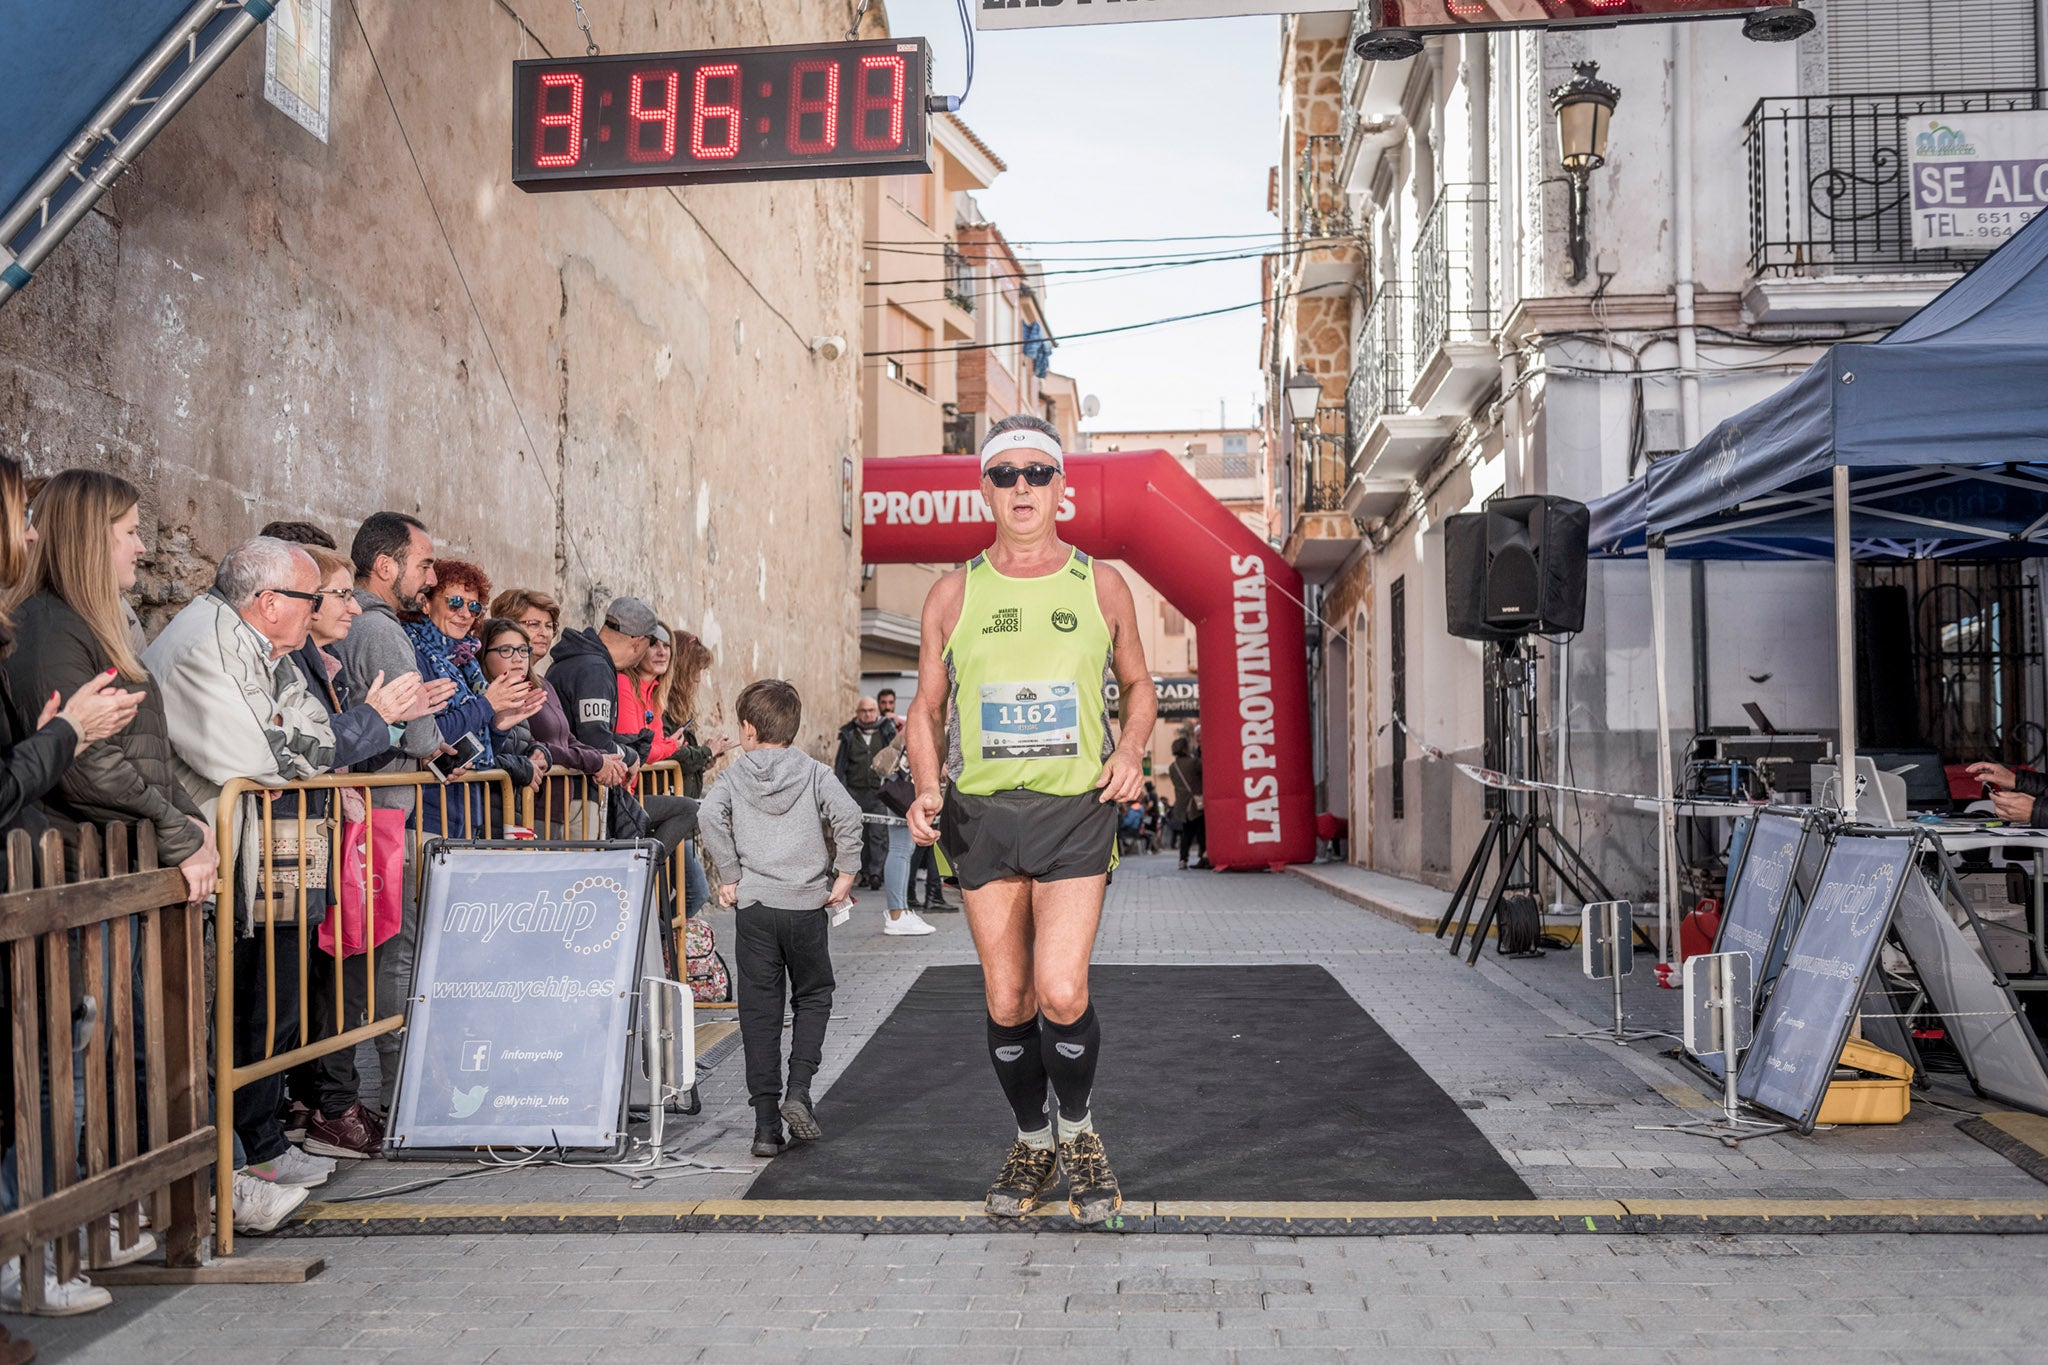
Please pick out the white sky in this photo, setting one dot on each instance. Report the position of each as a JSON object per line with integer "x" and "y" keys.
{"x": 1130, "y": 130}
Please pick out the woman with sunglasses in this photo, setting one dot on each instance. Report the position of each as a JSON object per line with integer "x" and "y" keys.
{"x": 445, "y": 644}
{"x": 1017, "y": 645}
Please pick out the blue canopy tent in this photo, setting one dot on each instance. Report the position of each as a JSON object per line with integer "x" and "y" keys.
{"x": 83, "y": 89}
{"x": 1930, "y": 443}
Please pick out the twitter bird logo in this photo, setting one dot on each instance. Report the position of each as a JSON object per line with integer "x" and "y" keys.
{"x": 468, "y": 1101}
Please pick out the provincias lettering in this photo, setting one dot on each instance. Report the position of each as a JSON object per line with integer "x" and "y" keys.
{"x": 1256, "y": 739}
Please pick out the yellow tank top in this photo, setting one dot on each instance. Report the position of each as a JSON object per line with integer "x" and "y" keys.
{"x": 1029, "y": 663}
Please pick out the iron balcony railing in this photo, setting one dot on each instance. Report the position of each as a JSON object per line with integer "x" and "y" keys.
{"x": 1353, "y": 75}
{"x": 1382, "y": 365}
{"x": 1325, "y": 463}
{"x": 1828, "y": 191}
{"x": 959, "y": 280}
{"x": 1450, "y": 270}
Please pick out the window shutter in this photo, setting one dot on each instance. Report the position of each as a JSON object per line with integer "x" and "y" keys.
{"x": 1910, "y": 45}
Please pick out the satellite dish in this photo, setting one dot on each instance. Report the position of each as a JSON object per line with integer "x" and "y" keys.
{"x": 1090, "y": 406}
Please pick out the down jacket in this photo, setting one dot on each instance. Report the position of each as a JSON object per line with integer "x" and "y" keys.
{"x": 128, "y": 776}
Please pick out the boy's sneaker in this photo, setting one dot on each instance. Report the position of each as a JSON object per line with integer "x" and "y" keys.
{"x": 294, "y": 1168}
{"x": 1028, "y": 1173}
{"x": 65, "y": 1299}
{"x": 262, "y": 1205}
{"x": 1092, "y": 1193}
{"x": 768, "y": 1139}
{"x": 796, "y": 1112}
{"x": 354, "y": 1134}
{"x": 906, "y": 923}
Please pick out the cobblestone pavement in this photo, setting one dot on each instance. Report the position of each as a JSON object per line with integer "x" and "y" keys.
{"x": 1187, "y": 1300}
{"x": 1563, "y": 1111}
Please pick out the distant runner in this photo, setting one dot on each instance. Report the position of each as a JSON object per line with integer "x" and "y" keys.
{"x": 1016, "y": 653}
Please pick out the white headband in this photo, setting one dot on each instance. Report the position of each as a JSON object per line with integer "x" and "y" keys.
{"x": 1021, "y": 438}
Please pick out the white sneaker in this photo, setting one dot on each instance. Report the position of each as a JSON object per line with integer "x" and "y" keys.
{"x": 906, "y": 923}
{"x": 145, "y": 1245}
{"x": 66, "y": 1300}
{"x": 294, "y": 1168}
{"x": 260, "y": 1205}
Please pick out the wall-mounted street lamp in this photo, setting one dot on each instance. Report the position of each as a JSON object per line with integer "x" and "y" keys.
{"x": 1304, "y": 393}
{"x": 1584, "y": 107}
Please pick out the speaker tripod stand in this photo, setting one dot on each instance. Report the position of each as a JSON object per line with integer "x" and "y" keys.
{"x": 1518, "y": 834}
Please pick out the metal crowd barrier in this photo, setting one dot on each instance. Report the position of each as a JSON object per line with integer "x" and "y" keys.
{"x": 566, "y": 806}
{"x": 108, "y": 1050}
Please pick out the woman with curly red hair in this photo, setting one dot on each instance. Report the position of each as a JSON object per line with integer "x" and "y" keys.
{"x": 444, "y": 642}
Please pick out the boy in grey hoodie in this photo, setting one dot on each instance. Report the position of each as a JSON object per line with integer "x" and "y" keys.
{"x": 784, "y": 841}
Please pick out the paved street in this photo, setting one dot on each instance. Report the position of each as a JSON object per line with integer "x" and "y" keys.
{"x": 1561, "y": 1111}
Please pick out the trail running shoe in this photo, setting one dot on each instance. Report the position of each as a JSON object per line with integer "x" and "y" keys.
{"x": 1092, "y": 1193}
{"x": 803, "y": 1123}
{"x": 1028, "y": 1173}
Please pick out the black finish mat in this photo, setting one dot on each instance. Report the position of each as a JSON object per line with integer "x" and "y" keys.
{"x": 1241, "y": 1083}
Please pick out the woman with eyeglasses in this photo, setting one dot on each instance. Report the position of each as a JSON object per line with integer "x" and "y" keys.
{"x": 509, "y": 649}
{"x": 446, "y": 646}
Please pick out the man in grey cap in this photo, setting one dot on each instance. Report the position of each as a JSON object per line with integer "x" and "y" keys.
{"x": 584, "y": 672}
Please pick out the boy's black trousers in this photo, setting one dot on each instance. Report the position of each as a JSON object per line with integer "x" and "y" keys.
{"x": 782, "y": 954}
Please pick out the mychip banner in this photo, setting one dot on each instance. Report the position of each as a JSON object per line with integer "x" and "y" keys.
{"x": 1976, "y": 178}
{"x": 522, "y": 997}
{"x": 1057, "y": 13}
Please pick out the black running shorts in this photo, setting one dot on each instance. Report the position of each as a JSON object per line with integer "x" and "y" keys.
{"x": 1027, "y": 834}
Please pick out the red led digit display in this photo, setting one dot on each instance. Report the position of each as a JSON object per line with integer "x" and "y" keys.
{"x": 659, "y": 142}
{"x": 1443, "y": 16}
{"x": 818, "y": 109}
{"x": 762, "y": 113}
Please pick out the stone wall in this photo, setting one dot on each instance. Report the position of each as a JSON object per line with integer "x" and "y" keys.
{"x": 258, "y": 325}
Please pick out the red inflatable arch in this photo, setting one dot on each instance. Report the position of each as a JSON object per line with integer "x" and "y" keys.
{"x": 1143, "y": 508}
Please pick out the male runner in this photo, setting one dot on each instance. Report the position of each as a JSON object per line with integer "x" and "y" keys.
{"x": 1011, "y": 698}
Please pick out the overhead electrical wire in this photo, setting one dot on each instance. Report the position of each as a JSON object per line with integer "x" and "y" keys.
{"x": 873, "y": 356}
{"x": 1076, "y": 270}
{"x": 1110, "y": 241}
{"x": 995, "y": 253}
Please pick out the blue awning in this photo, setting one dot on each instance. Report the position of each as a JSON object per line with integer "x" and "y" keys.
{"x": 61, "y": 64}
{"x": 1943, "y": 424}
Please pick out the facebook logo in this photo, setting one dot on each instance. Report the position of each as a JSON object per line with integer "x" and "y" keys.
{"x": 476, "y": 1055}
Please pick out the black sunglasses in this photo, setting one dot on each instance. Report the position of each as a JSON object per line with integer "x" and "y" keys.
{"x": 1005, "y": 475}
{"x": 312, "y": 597}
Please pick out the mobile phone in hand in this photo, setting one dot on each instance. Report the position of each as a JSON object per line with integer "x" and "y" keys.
{"x": 468, "y": 749}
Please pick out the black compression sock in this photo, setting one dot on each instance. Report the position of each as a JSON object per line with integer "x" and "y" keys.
{"x": 1069, "y": 1051}
{"x": 1020, "y": 1067}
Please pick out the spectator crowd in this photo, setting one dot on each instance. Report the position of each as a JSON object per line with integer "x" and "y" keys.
{"x": 302, "y": 660}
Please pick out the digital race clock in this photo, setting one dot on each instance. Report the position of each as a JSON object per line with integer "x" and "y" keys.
{"x": 1394, "y": 20}
{"x": 745, "y": 113}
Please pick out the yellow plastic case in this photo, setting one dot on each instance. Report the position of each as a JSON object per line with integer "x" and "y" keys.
{"x": 1883, "y": 1094}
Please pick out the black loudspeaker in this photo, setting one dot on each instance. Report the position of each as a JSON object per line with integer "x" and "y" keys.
{"x": 1465, "y": 579}
{"x": 1516, "y": 566}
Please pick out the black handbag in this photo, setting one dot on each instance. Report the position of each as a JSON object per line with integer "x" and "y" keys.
{"x": 898, "y": 793}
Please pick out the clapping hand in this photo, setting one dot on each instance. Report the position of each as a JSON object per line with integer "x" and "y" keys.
{"x": 404, "y": 698}
{"x": 93, "y": 711}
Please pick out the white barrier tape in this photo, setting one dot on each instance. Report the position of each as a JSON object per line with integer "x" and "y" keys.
{"x": 1493, "y": 777}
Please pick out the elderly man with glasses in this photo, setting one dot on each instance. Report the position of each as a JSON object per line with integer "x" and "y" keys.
{"x": 236, "y": 706}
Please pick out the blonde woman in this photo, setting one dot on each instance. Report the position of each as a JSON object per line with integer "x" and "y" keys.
{"x": 72, "y": 625}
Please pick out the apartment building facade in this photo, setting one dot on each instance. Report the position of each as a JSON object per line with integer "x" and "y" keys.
{"x": 1750, "y": 212}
